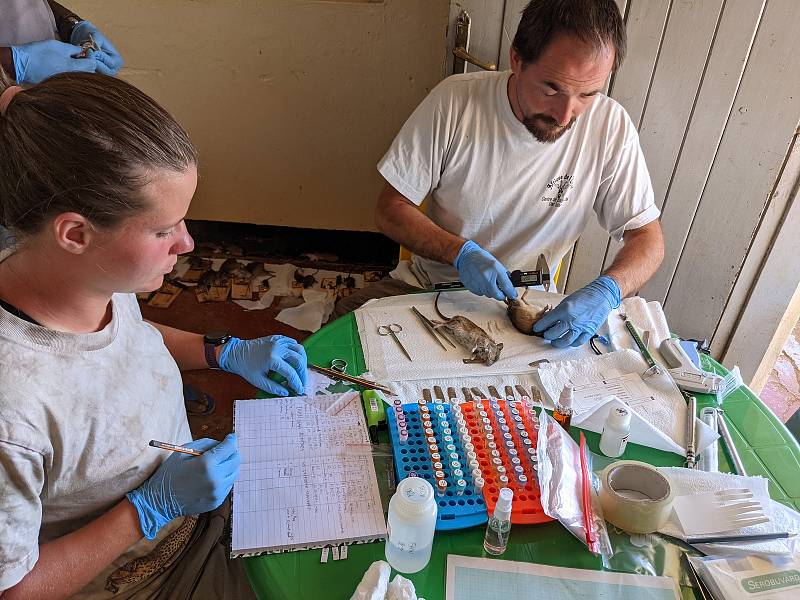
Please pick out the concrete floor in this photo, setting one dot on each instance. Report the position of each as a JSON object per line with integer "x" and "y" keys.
{"x": 782, "y": 390}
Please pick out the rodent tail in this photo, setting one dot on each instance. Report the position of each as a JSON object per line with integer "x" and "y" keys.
{"x": 436, "y": 306}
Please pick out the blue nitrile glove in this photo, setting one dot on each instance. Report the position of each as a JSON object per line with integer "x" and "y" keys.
{"x": 482, "y": 274}
{"x": 37, "y": 61}
{"x": 578, "y": 316}
{"x": 253, "y": 360}
{"x": 187, "y": 485}
{"x": 107, "y": 55}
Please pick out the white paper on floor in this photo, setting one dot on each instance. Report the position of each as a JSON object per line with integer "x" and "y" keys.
{"x": 386, "y": 361}
{"x": 658, "y": 409}
{"x": 310, "y": 315}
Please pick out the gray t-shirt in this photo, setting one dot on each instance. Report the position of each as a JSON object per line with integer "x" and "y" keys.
{"x": 25, "y": 21}
{"x": 76, "y": 414}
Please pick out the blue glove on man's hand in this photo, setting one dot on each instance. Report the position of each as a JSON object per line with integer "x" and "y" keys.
{"x": 187, "y": 485}
{"x": 578, "y": 316}
{"x": 255, "y": 359}
{"x": 37, "y": 61}
{"x": 107, "y": 55}
{"x": 482, "y": 274}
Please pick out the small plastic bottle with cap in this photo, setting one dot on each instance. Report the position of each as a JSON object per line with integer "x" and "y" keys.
{"x": 410, "y": 525}
{"x": 499, "y": 525}
{"x": 615, "y": 432}
{"x": 563, "y": 412}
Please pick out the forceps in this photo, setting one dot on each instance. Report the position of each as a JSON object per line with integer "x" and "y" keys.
{"x": 392, "y": 329}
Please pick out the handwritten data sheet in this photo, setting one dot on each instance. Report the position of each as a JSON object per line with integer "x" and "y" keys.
{"x": 307, "y": 478}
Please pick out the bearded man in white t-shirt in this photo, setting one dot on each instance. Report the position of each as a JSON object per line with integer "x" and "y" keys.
{"x": 516, "y": 163}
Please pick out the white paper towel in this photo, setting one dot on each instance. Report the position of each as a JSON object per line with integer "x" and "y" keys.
{"x": 692, "y": 481}
{"x": 658, "y": 410}
{"x": 645, "y": 316}
{"x": 386, "y": 362}
{"x": 411, "y": 390}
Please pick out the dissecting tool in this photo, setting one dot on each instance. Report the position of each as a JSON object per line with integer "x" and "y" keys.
{"x": 691, "y": 434}
{"x": 431, "y": 329}
{"x": 686, "y": 374}
{"x": 652, "y": 367}
{"x": 539, "y": 276}
{"x": 350, "y": 378}
{"x": 393, "y": 329}
{"x": 738, "y": 465}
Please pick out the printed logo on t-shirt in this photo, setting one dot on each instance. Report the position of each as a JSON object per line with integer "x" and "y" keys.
{"x": 557, "y": 189}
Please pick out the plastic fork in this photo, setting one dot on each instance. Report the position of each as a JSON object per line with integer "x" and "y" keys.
{"x": 724, "y": 510}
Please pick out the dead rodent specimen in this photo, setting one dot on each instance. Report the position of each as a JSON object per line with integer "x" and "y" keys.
{"x": 524, "y": 315}
{"x": 468, "y": 335}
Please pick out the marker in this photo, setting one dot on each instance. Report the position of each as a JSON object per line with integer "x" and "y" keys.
{"x": 174, "y": 448}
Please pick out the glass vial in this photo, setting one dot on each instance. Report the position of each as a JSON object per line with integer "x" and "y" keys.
{"x": 499, "y": 525}
{"x": 615, "y": 432}
{"x": 563, "y": 412}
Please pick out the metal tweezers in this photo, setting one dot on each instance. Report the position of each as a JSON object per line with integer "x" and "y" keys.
{"x": 432, "y": 330}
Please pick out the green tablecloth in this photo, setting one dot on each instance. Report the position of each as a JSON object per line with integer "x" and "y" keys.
{"x": 766, "y": 448}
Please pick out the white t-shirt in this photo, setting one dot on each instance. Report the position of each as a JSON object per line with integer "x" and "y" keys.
{"x": 25, "y": 21}
{"x": 491, "y": 181}
{"x": 76, "y": 414}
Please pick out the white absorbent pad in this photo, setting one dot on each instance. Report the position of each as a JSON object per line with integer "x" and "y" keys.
{"x": 386, "y": 361}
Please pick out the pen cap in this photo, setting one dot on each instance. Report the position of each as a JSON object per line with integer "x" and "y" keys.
{"x": 566, "y": 396}
{"x": 502, "y": 510}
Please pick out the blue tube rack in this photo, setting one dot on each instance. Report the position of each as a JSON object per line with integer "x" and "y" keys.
{"x": 456, "y": 511}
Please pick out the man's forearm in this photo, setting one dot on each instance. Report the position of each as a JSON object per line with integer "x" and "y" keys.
{"x": 639, "y": 258}
{"x": 400, "y": 220}
{"x": 70, "y": 562}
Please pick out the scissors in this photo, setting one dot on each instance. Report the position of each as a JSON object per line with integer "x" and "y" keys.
{"x": 392, "y": 329}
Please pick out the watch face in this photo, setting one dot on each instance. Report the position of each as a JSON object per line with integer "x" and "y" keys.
{"x": 216, "y": 337}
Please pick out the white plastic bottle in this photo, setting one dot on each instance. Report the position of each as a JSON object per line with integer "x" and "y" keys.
{"x": 411, "y": 522}
{"x": 617, "y": 427}
{"x": 499, "y": 525}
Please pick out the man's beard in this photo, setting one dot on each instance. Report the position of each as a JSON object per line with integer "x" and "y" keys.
{"x": 547, "y": 132}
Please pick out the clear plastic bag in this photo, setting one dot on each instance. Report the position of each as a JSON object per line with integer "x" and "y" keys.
{"x": 562, "y": 473}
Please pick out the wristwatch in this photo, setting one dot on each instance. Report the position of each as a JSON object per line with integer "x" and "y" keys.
{"x": 210, "y": 343}
{"x": 65, "y": 26}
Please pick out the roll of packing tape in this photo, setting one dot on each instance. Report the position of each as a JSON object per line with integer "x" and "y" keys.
{"x": 635, "y": 496}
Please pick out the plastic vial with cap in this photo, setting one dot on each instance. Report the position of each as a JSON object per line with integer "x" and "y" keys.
{"x": 499, "y": 526}
{"x": 411, "y": 522}
{"x": 563, "y": 412}
{"x": 615, "y": 432}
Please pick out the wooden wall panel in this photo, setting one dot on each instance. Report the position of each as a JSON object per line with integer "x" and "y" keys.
{"x": 709, "y": 117}
{"x": 748, "y": 161}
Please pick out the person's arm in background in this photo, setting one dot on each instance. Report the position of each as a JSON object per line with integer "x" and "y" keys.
{"x": 253, "y": 360}
{"x": 401, "y": 220}
{"x": 36, "y": 61}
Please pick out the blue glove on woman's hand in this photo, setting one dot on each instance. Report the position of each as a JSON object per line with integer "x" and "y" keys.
{"x": 187, "y": 485}
{"x": 37, "y": 61}
{"x": 255, "y": 359}
{"x": 482, "y": 274}
{"x": 107, "y": 55}
{"x": 578, "y": 316}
